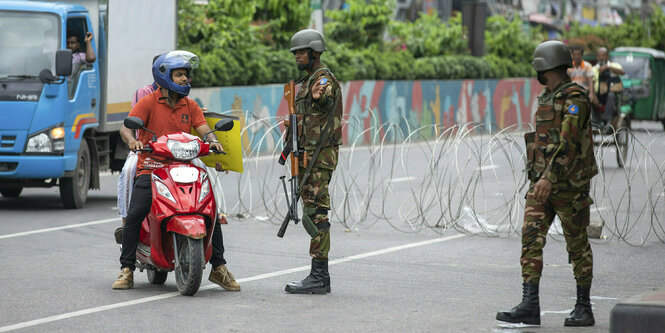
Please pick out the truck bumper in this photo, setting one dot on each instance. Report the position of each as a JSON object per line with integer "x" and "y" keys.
{"x": 37, "y": 166}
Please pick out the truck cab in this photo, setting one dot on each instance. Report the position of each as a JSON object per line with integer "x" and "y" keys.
{"x": 61, "y": 114}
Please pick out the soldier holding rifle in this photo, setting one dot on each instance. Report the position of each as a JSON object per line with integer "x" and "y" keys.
{"x": 316, "y": 120}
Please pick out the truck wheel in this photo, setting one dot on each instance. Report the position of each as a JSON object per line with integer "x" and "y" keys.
{"x": 74, "y": 190}
{"x": 11, "y": 192}
{"x": 190, "y": 256}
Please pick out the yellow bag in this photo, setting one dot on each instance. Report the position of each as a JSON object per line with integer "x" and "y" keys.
{"x": 230, "y": 140}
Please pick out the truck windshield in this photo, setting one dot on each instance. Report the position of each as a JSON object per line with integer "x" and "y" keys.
{"x": 636, "y": 67}
{"x": 28, "y": 43}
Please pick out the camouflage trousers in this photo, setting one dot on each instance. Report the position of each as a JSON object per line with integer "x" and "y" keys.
{"x": 316, "y": 199}
{"x": 572, "y": 208}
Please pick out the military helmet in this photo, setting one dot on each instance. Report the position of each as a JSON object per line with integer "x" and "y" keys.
{"x": 551, "y": 54}
{"x": 308, "y": 39}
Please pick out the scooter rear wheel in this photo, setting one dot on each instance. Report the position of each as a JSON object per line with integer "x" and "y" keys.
{"x": 189, "y": 266}
{"x": 157, "y": 277}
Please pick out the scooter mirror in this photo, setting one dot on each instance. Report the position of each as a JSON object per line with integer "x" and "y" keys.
{"x": 133, "y": 123}
{"x": 224, "y": 125}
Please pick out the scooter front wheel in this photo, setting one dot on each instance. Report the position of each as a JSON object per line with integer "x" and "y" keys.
{"x": 189, "y": 263}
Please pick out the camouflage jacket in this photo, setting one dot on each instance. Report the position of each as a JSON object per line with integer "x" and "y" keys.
{"x": 314, "y": 115}
{"x": 561, "y": 148}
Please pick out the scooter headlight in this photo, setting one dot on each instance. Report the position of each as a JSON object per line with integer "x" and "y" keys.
{"x": 163, "y": 190}
{"x": 183, "y": 151}
{"x": 205, "y": 189}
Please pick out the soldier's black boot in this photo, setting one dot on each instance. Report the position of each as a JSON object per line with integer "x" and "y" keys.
{"x": 314, "y": 283}
{"x": 582, "y": 315}
{"x": 527, "y": 312}
{"x": 326, "y": 277}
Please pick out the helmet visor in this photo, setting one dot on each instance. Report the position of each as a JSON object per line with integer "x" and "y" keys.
{"x": 180, "y": 59}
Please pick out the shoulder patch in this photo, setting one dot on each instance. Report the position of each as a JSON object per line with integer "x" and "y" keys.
{"x": 573, "y": 109}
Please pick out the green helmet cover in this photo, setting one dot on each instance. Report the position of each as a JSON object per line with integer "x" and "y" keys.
{"x": 308, "y": 39}
{"x": 551, "y": 54}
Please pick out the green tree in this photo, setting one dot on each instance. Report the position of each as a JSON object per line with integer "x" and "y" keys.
{"x": 429, "y": 36}
{"x": 363, "y": 23}
{"x": 280, "y": 19}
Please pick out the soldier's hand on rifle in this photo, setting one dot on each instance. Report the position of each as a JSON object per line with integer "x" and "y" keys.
{"x": 135, "y": 145}
{"x": 318, "y": 88}
{"x": 542, "y": 190}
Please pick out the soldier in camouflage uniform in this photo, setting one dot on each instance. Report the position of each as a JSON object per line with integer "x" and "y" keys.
{"x": 318, "y": 106}
{"x": 560, "y": 164}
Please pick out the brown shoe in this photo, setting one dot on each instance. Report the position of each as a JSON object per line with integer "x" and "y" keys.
{"x": 125, "y": 279}
{"x": 221, "y": 276}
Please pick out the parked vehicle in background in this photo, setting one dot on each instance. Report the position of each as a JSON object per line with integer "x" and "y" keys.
{"x": 643, "y": 96}
{"x": 60, "y": 124}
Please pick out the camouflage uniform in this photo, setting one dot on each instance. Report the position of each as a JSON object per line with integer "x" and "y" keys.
{"x": 561, "y": 151}
{"x": 313, "y": 117}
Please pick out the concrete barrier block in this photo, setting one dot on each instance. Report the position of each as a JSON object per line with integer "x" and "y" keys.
{"x": 643, "y": 313}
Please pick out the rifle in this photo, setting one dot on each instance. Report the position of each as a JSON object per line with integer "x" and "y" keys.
{"x": 291, "y": 147}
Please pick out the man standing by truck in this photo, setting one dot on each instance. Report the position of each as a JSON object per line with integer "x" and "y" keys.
{"x": 165, "y": 111}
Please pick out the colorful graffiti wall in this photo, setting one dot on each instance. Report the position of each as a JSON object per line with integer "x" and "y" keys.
{"x": 370, "y": 106}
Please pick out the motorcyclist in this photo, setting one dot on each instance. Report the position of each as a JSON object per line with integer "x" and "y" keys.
{"x": 165, "y": 111}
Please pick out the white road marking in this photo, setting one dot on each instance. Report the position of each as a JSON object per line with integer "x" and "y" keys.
{"x": 556, "y": 312}
{"x": 487, "y": 167}
{"x": 604, "y": 298}
{"x": 211, "y": 286}
{"x": 597, "y": 209}
{"x": 402, "y": 179}
{"x": 71, "y": 226}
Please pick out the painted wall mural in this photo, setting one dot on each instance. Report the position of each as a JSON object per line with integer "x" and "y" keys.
{"x": 383, "y": 109}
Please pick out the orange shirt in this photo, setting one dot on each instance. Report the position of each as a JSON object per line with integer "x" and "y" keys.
{"x": 581, "y": 74}
{"x": 160, "y": 118}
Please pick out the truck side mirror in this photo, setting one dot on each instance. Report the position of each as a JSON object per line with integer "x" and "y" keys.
{"x": 224, "y": 125}
{"x": 134, "y": 123}
{"x": 63, "y": 62}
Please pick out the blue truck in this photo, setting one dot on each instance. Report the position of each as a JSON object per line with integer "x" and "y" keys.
{"x": 59, "y": 118}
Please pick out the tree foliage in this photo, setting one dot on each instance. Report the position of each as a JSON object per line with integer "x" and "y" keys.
{"x": 633, "y": 32}
{"x": 429, "y": 36}
{"x": 246, "y": 43}
{"x": 279, "y": 19}
{"x": 363, "y": 23}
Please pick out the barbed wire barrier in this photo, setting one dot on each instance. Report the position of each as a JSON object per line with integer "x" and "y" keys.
{"x": 468, "y": 177}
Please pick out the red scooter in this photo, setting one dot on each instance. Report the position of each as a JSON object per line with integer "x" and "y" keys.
{"x": 177, "y": 233}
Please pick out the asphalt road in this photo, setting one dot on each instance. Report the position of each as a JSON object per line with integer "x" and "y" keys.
{"x": 58, "y": 266}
